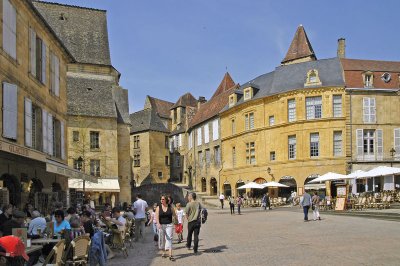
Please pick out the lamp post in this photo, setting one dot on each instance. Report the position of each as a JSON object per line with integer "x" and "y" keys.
{"x": 392, "y": 153}
{"x": 80, "y": 166}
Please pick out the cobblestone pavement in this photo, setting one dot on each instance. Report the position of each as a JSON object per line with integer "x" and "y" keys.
{"x": 279, "y": 237}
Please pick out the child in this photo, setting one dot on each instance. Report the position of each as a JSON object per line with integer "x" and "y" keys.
{"x": 179, "y": 227}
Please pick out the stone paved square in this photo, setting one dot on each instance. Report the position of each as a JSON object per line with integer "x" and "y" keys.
{"x": 280, "y": 237}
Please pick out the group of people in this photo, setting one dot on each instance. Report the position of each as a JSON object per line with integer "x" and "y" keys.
{"x": 238, "y": 202}
{"x": 308, "y": 202}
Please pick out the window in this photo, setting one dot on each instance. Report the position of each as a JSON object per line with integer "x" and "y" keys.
{"x": 272, "y": 156}
{"x": 136, "y": 160}
{"x": 176, "y": 141}
{"x": 200, "y": 158}
{"x": 397, "y": 142}
{"x": 368, "y": 80}
{"x": 291, "y": 110}
{"x": 166, "y": 142}
{"x": 36, "y": 130}
{"x": 199, "y": 137}
{"x": 271, "y": 120}
{"x": 369, "y": 110}
{"x": 337, "y": 143}
{"x": 233, "y": 126}
{"x": 248, "y": 94}
{"x": 250, "y": 153}
{"x": 10, "y": 110}
{"x": 75, "y": 136}
{"x": 232, "y": 100}
{"x": 208, "y": 158}
{"x": 136, "y": 142}
{"x": 190, "y": 140}
{"x": 314, "y": 107}
{"x": 54, "y": 75}
{"x": 179, "y": 140}
{"x": 166, "y": 160}
{"x": 337, "y": 105}
{"x": 292, "y": 147}
{"x": 9, "y": 29}
{"x": 314, "y": 144}
{"x": 249, "y": 121}
{"x": 215, "y": 129}
{"x": 37, "y": 50}
{"x": 233, "y": 156}
{"x": 160, "y": 175}
{"x": 94, "y": 140}
{"x": 175, "y": 113}
{"x": 206, "y": 134}
{"x": 95, "y": 167}
{"x": 369, "y": 144}
{"x": 312, "y": 78}
{"x": 78, "y": 164}
{"x": 217, "y": 155}
{"x": 56, "y": 138}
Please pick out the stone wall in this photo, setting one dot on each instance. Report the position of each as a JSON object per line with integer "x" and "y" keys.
{"x": 152, "y": 192}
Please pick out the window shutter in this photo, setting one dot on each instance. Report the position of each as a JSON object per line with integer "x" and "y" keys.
{"x": 246, "y": 122}
{"x": 206, "y": 134}
{"x": 215, "y": 129}
{"x": 32, "y": 50}
{"x": 372, "y": 111}
{"x": 397, "y": 141}
{"x": 56, "y": 76}
{"x": 28, "y": 122}
{"x": 62, "y": 141}
{"x": 360, "y": 146}
{"x": 50, "y": 133}
{"x": 44, "y": 63}
{"x": 199, "y": 137}
{"x": 10, "y": 110}
{"x": 366, "y": 110}
{"x": 379, "y": 146}
{"x": 51, "y": 72}
{"x": 190, "y": 140}
{"x": 180, "y": 140}
{"x": 9, "y": 29}
{"x": 251, "y": 121}
{"x": 44, "y": 130}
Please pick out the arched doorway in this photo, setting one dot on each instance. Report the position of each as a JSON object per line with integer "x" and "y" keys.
{"x": 289, "y": 181}
{"x": 314, "y": 187}
{"x": 213, "y": 187}
{"x": 203, "y": 185}
{"x": 227, "y": 190}
{"x": 240, "y": 191}
{"x": 36, "y": 186}
{"x": 13, "y": 185}
{"x": 258, "y": 193}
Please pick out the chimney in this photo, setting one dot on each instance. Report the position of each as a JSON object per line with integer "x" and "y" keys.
{"x": 341, "y": 48}
{"x": 201, "y": 100}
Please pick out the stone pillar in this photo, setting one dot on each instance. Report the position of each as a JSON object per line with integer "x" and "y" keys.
{"x": 124, "y": 160}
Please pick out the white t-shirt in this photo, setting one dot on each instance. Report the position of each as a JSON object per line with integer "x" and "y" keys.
{"x": 221, "y": 197}
{"x": 180, "y": 214}
{"x": 123, "y": 221}
{"x": 140, "y": 207}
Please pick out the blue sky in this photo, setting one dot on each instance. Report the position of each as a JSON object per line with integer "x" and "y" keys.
{"x": 166, "y": 48}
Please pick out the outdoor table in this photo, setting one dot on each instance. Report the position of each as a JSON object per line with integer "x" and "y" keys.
{"x": 41, "y": 241}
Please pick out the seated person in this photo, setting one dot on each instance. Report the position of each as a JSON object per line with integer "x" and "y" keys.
{"x": 60, "y": 224}
{"x": 17, "y": 221}
{"x": 87, "y": 223}
{"x": 71, "y": 212}
{"x": 117, "y": 219}
{"x": 37, "y": 222}
{"x": 76, "y": 228}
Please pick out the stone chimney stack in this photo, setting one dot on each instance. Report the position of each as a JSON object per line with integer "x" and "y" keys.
{"x": 201, "y": 100}
{"x": 341, "y": 49}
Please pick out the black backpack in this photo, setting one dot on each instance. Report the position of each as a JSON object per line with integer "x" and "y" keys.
{"x": 203, "y": 215}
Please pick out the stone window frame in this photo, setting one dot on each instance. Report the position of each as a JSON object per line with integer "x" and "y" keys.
{"x": 94, "y": 140}
{"x": 371, "y": 80}
{"x": 337, "y": 106}
{"x": 136, "y": 141}
{"x": 312, "y": 73}
{"x": 315, "y": 147}
{"x": 232, "y": 100}
{"x": 249, "y": 92}
{"x": 95, "y": 167}
{"x": 291, "y": 104}
{"x": 337, "y": 143}
{"x": 272, "y": 155}
{"x": 271, "y": 120}
{"x": 251, "y": 153}
{"x": 292, "y": 143}
{"x": 75, "y": 136}
{"x": 248, "y": 118}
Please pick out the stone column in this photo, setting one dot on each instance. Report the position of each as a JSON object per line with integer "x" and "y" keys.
{"x": 124, "y": 160}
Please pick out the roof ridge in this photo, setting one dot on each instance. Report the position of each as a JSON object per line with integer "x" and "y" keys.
{"x": 74, "y": 6}
{"x": 158, "y": 99}
{"x": 375, "y": 60}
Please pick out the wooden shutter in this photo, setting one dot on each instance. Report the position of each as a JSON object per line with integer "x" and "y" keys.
{"x": 379, "y": 144}
{"x": 28, "y": 122}
{"x": 360, "y": 144}
{"x": 246, "y": 122}
{"x": 10, "y": 110}
{"x": 180, "y": 140}
{"x": 9, "y": 29}
{"x": 44, "y": 63}
{"x": 251, "y": 115}
{"x": 206, "y": 133}
{"x": 50, "y": 134}
{"x": 397, "y": 141}
{"x": 199, "y": 137}
{"x": 366, "y": 110}
{"x": 62, "y": 141}
{"x": 215, "y": 129}
{"x": 52, "y": 72}
{"x": 44, "y": 131}
{"x": 56, "y": 76}
{"x": 32, "y": 51}
{"x": 372, "y": 112}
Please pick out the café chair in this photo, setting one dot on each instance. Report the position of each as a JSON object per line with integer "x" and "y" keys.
{"x": 80, "y": 251}
{"x": 57, "y": 253}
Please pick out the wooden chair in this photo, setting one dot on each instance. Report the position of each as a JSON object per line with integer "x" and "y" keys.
{"x": 80, "y": 251}
{"x": 57, "y": 253}
{"x": 128, "y": 232}
{"x": 118, "y": 241}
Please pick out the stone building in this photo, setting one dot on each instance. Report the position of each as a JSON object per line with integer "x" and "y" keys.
{"x": 288, "y": 125}
{"x": 204, "y": 142}
{"x": 33, "y": 72}
{"x": 150, "y": 142}
{"x": 182, "y": 112}
{"x": 98, "y": 112}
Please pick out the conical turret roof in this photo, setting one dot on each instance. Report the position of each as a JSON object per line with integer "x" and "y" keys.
{"x": 300, "y": 47}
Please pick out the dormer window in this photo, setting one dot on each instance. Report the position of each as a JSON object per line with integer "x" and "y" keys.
{"x": 312, "y": 78}
{"x": 248, "y": 93}
{"x": 368, "y": 78}
{"x": 386, "y": 77}
{"x": 232, "y": 99}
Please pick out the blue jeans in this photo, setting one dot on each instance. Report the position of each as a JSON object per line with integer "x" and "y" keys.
{"x": 305, "y": 210}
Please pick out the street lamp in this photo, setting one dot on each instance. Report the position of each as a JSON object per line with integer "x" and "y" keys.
{"x": 80, "y": 166}
{"x": 392, "y": 153}
{"x": 269, "y": 172}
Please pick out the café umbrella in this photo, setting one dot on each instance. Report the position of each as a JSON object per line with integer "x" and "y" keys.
{"x": 380, "y": 171}
{"x": 251, "y": 185}
{"x": 328, "y": 177}
{"x": 355, "y": 174}
{"x": 273, "y": 184}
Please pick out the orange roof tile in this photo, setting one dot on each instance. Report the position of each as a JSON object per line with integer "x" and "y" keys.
{"x": 161, "y": 107}
{"x": 300, "y": 46}
{"x": 226, "y": 83}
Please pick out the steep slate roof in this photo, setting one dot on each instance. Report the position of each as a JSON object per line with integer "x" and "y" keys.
{"x": 217, "y": 102}
{"x": 300, "y": 46}
{"x": 146, "y": 120}
{"x": 120, "y": 96}
{"x": 83, "y": 31}
{"x": 291, "y": 77}
{"x": 185, "y": 100}
{"x": 161, "y": 107}
{"x": 90, "y": 97}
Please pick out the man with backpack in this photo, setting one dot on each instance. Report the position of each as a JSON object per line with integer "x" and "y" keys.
{"x": 195, "y": 218}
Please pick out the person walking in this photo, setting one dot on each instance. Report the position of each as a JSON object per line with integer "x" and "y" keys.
{"x": 179, "y": 227}
{"x": 139, "y": 210}
{"x": 232, "y": 204}
{"x": 153, "y": 222}
{"x": 239, "y": 202}
{"x": 305, "y": 202}
{"x": 164, "y": 214}
{"x": 193, "y": 214}
{"x": 315, "y": 206}
{"x": 221, "y": 199}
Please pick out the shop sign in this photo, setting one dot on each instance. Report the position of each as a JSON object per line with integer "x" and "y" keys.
{"x": 70, "y": 173}
{"x": 21, "y": 151}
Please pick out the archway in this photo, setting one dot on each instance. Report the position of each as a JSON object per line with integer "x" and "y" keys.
{"x": 289, "y": 181}
{"x": 203, "y": 185}
{"x": 258, "y": 193}
{"x": 320, "y": 187}
{"x": 13, "y": 185}
{"x": 240, "y": 191}
{"x": 35, "y": 187}
{"x": 227, "y": 190}
{"x": 213, "y": 187}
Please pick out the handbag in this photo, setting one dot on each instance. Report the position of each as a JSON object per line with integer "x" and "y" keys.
{"x": 155, "y": 237}
{"x": 313, "y": 207}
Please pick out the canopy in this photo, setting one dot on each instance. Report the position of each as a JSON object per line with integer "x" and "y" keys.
{"x": 314, "y": 186}
{"x": 103, "y": 185}
{"x": 380, "y": 171}
{"x": 355, "y": 174}
{"x": 273, "y": 184}
{"x": 251, "y": 185}
{"x": 328, "y": 177}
